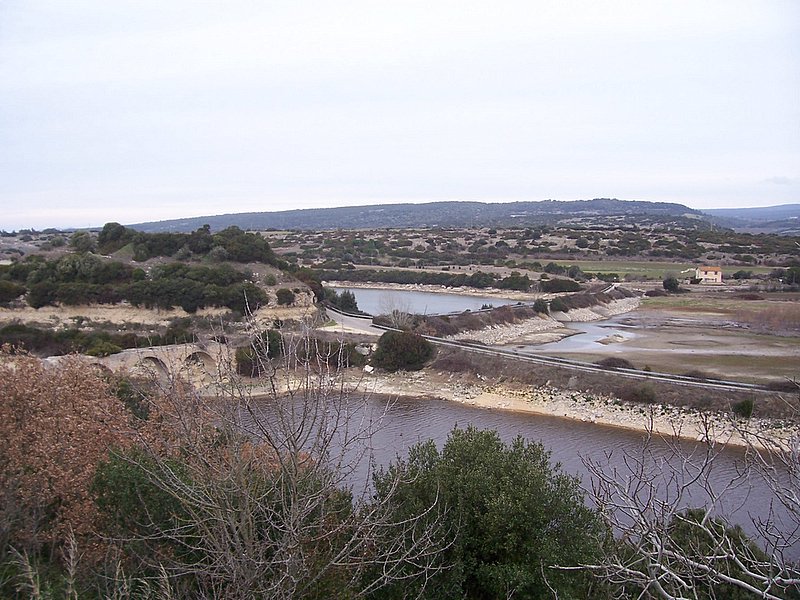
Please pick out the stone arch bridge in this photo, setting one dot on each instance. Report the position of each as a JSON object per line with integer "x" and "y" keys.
{"x": 200, "y": 363}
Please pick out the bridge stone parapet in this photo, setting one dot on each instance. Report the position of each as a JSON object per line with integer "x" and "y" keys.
{"x": 200, "y": 363}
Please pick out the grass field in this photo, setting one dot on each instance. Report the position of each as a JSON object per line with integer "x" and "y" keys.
{"x": 648, "y": 269}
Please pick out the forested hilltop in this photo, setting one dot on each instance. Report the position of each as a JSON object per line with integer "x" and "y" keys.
{"x": 450, "y": 214}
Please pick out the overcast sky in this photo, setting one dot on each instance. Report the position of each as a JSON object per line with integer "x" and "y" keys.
{"x": 139, "y": 110}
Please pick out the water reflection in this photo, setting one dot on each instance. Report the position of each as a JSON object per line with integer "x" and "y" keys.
{"x": 376, "y": 302}
{"x": 403, "y": 422}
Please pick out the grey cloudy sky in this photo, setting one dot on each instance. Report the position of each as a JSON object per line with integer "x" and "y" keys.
{"x": 137, "y": 110}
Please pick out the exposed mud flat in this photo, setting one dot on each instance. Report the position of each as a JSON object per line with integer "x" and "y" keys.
{"x": 677, "y": 343}
{"x": 545, "y": 329}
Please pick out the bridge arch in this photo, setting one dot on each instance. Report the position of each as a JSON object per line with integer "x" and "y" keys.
{"x": 153, "y": 365}
{"x": 200, "y": 365}
{"x": 202, "y": 359}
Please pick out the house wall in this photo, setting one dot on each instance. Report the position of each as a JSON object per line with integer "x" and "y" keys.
{"x": 709, "y": 276}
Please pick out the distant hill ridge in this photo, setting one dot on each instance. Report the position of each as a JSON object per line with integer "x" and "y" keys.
{"x": 783, "y": 218}
{"x": 435, "y": 214}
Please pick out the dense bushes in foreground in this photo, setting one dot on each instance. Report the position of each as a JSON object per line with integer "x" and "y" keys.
{"x": 178, "y": 496}
{"x": 510, "y": 509}
{"x": 145, "y": 502}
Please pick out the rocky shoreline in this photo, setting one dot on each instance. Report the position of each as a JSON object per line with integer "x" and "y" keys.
{"x": 662, "y": 419}
{"x": 546, "y": 328}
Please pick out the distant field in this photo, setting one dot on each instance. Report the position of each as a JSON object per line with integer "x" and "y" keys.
{"x": 651, "y": 270}
{"x": 772, "y": 314}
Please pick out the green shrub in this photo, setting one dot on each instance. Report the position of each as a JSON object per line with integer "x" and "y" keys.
{"x": 554, "y": 269}
{"x": 744, "y": 408}
{"x": 671, "y": 284}
{"x": 559, "y": 285}
{"x": 10, "y": 291}
{"x": 103, "y": 348}
{"x": 508, "y": 512}
{"x": 402, "y": 350}
{"x": 344, "y": 300}
{"x": 540, "y": 306}
{"x": 557, "y": 305}
{"x": 285, "y": 296}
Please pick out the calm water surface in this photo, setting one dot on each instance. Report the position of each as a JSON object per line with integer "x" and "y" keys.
{"x": 376, "y": 302}
{"x": 408, "y": 421}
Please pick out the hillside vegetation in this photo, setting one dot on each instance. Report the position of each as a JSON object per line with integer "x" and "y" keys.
{"x": 83, "y": 277}
{"x": 449, "y": 214}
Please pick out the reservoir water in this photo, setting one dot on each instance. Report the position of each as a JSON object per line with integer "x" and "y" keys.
{"x": 407, "y": 421}
{"x": 376, "y": 302}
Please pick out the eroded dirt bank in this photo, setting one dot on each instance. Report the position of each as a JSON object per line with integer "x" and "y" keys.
{"x": 546, "y": 328}
{"x": 663, "y": 419}
{"x": 659, "y": 418}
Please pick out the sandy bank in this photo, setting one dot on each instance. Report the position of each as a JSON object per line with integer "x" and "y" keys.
{"x": 543, "y": 329}
{"x": 664, "y": 420}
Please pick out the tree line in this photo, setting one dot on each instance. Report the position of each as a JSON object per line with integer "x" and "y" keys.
{"x": 479, "y": 279}
{"x": 229, "y": 244}
{"x": 84, "y": 278}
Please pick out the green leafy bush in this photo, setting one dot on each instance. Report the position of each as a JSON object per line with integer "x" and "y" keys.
{"x": 10, "y": 291}
{"x": 671, "y": 284}
{"x": 344, "y": 300}
{"x": 559, "y": 285}
{"x": 103, "y": 348}
{"x": 402, "y": 350}
{"x": 744, "y": 408}
{"x": 509, "y": 512}
{"x": 558, "y": 305}
{"x": 285, "y": 296}
{"x": 540, "y": 306}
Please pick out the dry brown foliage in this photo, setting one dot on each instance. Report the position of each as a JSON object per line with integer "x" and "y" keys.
{"x": 771, "y": 317}
{"x": 56, "y": 424}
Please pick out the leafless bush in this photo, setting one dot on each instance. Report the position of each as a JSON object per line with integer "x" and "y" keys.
{"x": 396, "y": 310}
{"x": 669, "y": 548}
{"x": 271, "y": 489}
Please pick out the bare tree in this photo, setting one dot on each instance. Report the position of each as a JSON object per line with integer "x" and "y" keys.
{"x": 675, "y": 540}
{"x": 269, "y": 486}
{"x": 396, "y": 309}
